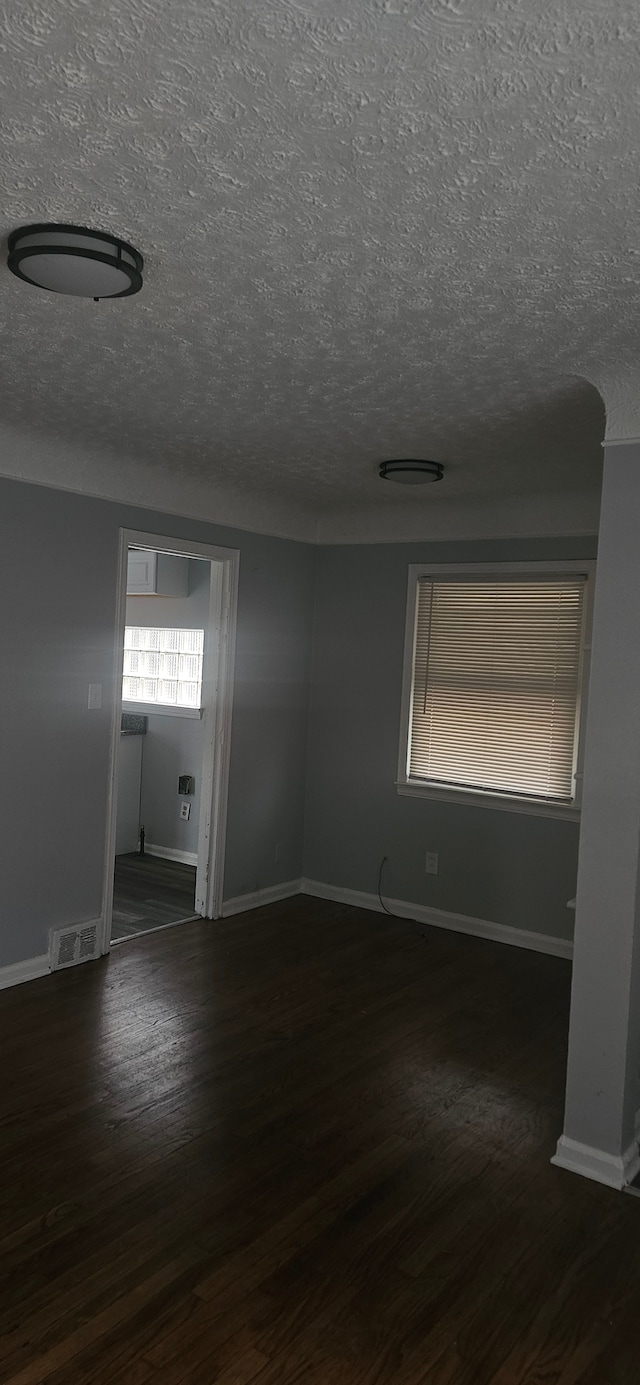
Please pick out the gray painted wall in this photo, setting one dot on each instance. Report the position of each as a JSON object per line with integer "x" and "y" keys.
{"x": 58, "y": 553}
{"x": 129, "y": 781}
{"x": 504, "y": 867}
{"x": 58, "y": 556}
{"x": 173, "y": 744}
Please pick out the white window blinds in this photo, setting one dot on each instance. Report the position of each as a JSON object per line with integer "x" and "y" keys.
{"x": 496, "y": 678}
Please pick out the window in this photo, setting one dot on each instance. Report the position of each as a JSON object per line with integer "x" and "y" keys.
{"x": 163, "y": 667}
{"x": 493, "y": 686}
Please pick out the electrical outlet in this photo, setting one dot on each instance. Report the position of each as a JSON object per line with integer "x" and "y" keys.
{"x": 94, "y": 700}
{"x": 185, "y": 811}
{"x": 431, "y": 863}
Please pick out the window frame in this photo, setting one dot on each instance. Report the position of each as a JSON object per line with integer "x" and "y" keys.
{"x": 486, "y": 798}
{"x": 162, "y": 709}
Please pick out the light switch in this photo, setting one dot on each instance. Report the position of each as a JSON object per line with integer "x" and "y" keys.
{"x": 95, "y": 697}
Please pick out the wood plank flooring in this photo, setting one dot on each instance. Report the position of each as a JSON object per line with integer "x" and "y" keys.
{"x": 306, "y": 1146}
{"x": 149, "y": 892}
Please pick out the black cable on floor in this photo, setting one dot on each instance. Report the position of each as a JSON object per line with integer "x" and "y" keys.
{"x": 382, "y": 903}
{"x": 402, "y": 917}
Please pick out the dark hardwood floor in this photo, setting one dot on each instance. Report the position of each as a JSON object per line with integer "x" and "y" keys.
{"x": 149, "y": 892}
{"x": 306, "y": 1146}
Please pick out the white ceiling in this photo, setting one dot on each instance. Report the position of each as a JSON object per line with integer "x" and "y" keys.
{"x": 377, "y": 229}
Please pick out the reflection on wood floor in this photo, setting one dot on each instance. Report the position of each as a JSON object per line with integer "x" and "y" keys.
{"x": 150, "y": 892}
{"x": 305, "y": 1145}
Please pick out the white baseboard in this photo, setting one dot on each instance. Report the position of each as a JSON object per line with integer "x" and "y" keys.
{"x": 28, "y": 970}
{"x": 170, "y": 853}
{"x": 440, "y": 918}
{"x": 615, "y": 1171}
{"x": 270, "y": 895}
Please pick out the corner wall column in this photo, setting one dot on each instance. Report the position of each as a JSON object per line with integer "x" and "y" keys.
{"x": 599, "y": 1138}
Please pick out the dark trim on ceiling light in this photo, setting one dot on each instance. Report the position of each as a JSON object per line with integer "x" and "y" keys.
{"x": 401, "y": 469}
{"x": 114, "y": 260}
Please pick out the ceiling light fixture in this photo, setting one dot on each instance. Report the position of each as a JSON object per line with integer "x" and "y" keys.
{"x": 411, "y": 472}
{"x": 71, "y": 259}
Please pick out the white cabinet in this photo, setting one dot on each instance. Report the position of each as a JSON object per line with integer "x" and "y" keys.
{"x": 156, "y": 574}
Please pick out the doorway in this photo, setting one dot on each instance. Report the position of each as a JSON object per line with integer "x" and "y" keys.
{"x": 170, "y": 735}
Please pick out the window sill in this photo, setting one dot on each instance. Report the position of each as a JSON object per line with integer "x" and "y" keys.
{"x": 479, "y": 799}
{"x": 159, "y": 709}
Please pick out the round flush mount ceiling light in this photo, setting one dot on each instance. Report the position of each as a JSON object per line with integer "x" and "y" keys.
{"x": 71, "y": 259}
{"x": 411, "y": 472}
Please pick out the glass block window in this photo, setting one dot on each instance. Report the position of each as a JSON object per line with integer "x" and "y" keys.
{"x": 163, "y": 666}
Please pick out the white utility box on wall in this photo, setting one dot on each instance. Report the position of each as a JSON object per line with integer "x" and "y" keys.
{"x": 156, "y": 574}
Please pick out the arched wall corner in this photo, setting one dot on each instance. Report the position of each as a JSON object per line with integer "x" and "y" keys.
{"x": 619, "y": 389}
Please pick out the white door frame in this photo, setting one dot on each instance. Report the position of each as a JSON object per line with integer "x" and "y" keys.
{"x": 220, "y": 641}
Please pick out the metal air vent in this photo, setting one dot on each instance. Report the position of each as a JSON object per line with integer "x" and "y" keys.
{"x": 68, "y": 946}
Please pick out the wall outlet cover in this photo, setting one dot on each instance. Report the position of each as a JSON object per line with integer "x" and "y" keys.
{"x": 185, "y": 811}
{"x": 94, "y": 699}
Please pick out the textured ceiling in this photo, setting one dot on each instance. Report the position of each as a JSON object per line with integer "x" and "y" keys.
{"x": 385, "y": 228}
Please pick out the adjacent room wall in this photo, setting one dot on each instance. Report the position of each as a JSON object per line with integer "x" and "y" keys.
{"x": 59, "y": 556}
{"x": 506, "y": 868}
{"x": 173, "y": 744}
{"x": 129, "y": 786}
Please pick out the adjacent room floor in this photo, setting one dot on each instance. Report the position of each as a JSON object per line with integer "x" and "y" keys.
{"x": 306, "y": 1144}
{"x": 149, "y": 892}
